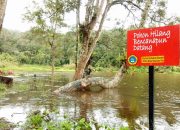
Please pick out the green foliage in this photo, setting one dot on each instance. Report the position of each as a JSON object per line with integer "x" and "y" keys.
{"x": 28, "y": 48}
{"x": 5, "y": 125}
{"x": 66, "y": 125}
{"x": 167, "y": 69}
{"x": 35, "y": 121}
{"x": 110, "y": 51}
{"x": 49, "y": 19}
{"x": 68, "y": 67}
{"x": 159, "y": 69}
{"x": 2, "y": 94}
{"x": 8, "y": 40}
{"x": 66, "y": 49}
{"x": 6, "y": 59}
{"x": 133, "y": 69}
{"x": 31, "y": 47}
{"x": 124, "y": 128}
{"x": 20, "y": 87}
{"x": 83, "y": 125}
{"x": 41, "y": 121}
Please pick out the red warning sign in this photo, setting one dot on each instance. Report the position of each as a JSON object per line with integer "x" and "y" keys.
{"x": 159, "y": 46}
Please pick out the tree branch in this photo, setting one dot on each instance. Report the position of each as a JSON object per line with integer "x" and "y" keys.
{"x": 144, "y": 15}
{"x": 135, "y": 5}
{"x": 131, "y": 12}
{"x": 97, "y": 34}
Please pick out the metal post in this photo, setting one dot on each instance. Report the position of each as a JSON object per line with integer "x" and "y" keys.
{"x": 151, "y": 97}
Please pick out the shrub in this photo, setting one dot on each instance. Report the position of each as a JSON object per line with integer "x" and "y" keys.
{"x": 42, "y": 121}
{"x": 7, "y": 60}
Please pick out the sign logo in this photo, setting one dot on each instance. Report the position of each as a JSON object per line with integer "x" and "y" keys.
{"x": 132, "y": 60}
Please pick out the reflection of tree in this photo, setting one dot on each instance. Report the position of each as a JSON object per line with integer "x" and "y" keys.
{"x": 33, "y": 83}
{"x": 83, "y": 108}
{"x": 129, "y": 108}
{"x": 130, "y": 111}
{"x": 52, "y": 104}
{"x": 85, "y": 104}
{"x": 52, "y": 81}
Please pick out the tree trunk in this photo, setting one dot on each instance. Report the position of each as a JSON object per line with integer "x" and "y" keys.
{"x": 81, "y": 66}
{"x": 89, "y": 40}
{"x": 144, "y": 14}
{"x": 3, "y": 4}
{"x": 84, "y": 84}
{"x": 77, "y": 32}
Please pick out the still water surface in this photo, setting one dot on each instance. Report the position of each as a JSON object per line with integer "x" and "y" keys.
{"x": 126, "y": 105}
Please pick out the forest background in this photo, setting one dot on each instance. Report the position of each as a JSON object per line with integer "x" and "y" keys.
{"x": 19, "y": 48}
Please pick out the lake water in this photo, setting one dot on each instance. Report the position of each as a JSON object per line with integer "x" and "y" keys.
{"x": 126, "y": 105}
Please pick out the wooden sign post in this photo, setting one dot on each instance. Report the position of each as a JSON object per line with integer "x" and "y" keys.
{"x": 159, "y": 46}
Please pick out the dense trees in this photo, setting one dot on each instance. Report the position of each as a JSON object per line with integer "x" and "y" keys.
{"x": 110, "y": 49}
{"x": 28, "y": 48}
{"x": 104, "y": 50}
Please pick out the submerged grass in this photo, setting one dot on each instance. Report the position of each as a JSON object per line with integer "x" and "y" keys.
{"x": 2, "y": 90}
{"x": 20, "y": 87}
{"x": 5, "y": 125}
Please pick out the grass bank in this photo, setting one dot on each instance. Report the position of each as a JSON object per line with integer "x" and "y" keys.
{"x": 71, "y": 67}
{"x": 36, "y": 68}
{"x": 47, "y": 68}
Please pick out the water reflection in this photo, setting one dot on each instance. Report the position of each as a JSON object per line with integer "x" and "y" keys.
{"x": 126, "y": 105}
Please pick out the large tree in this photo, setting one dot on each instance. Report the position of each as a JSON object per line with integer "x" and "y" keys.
{"x": 84, "y": 84}
{"x": 3, "y": 4}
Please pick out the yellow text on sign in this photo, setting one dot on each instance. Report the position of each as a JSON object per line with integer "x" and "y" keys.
{"x": 152, "y": 59}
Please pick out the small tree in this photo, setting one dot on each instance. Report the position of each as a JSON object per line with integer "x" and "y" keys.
{"x": 49, "y": 19}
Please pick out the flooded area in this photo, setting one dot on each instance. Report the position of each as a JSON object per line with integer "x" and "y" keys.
{"x": 126, "y": 105}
